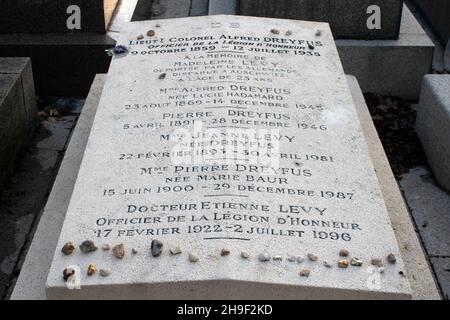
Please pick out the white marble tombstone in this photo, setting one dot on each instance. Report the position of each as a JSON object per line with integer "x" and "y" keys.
{"x": 234, "y": 142}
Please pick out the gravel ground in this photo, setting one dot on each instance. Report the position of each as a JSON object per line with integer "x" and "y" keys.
{"x": 395, "y": 119}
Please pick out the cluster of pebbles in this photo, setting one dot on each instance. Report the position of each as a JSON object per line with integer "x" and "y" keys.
{"x": 119, "y": 252}
{"x": 150, "y": 33}
{"x": 344, "y": 262}
{"x": 156, "y": 250}
{"x": 122, "y": 50}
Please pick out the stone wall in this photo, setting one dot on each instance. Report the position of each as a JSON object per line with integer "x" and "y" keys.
{"x": 18, "y": 113}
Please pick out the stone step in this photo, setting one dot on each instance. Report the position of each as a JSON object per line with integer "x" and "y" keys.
{"x": 349, "y": 19}
{"x": 433, "y": 125}
{"x": 63, "y": 64}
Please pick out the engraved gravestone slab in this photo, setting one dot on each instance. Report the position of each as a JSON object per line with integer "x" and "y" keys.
{"x": 233, "y": 142}
{"x": 349, "y": 19}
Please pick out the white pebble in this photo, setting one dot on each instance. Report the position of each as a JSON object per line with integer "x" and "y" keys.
{"x": 245, "y": 255}
{"x": 193, "y": 257}
{"x": 264, "y": 257}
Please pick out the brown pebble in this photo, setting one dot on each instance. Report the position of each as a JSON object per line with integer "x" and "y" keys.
{"x": 305, "y": 273}
{"x": 67, "y": 273}
{"x": 391, "y": 258}
{"x": 344, "y": 253}
{"x": 151, "y": 33}
{"x": 91, "y": 269}
{"x": 140, "y": 37}
{"x": 275, "y": 31}
{"x": 225, "y": 252}
{"x": 376, "y": 262}
{"x": 68, "y": 248}
{"x": 343, "y": 263}
{"x": 119, "y": 251}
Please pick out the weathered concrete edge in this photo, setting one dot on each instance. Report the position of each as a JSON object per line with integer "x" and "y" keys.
{"x": 32, "y": 279}
{"x": 31, "y": 282}
{"x": 418, "y": 271}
